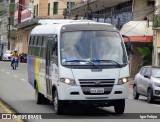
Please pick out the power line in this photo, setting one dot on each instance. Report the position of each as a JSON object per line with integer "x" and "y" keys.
{"x": 143, "y": 18}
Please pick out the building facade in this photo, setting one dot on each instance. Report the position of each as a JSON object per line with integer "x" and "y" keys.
{"x": 27, "y": 16}
{"x": 4, "y": 22}
{"x": 156, "y": 27}
{"x": 117, "y": 12}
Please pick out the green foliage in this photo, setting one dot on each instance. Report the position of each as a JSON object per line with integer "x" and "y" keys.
{"x": 146, "y": 53}
{"x": 156, "y": 21}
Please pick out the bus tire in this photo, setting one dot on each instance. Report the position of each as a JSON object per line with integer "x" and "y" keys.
{"x": 58, "y": 105}
{"x": 38, "y": 96}
{"x": 119, "y": 106}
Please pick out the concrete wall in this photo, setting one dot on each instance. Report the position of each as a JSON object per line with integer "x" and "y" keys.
{"x": 135, "y": 59}
{"x": 21, "y": 41}
{"x": 142, "y": 8}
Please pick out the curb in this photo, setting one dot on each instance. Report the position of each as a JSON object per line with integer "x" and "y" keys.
{"x": 5, "y": 109}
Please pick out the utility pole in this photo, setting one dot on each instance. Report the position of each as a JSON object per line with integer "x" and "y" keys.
{"x": 87, "y": 9}
{"x": 9, "y": 19}
{"x": 69, "y": 9}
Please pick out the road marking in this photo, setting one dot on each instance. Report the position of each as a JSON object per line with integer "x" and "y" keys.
{"x": 2, "y": 70}
{"x": 15, "y": 76}
{"x": 8, "y": 110}
{"x": 158, "y": 105}
{"x": 23, "y": 79}
{"x": 5, "y": 108}
{"x": 8, "y": 72}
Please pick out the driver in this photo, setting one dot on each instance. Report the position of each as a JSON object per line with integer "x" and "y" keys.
{"x": 14, "y": 55}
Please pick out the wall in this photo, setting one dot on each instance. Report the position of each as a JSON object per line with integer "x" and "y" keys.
{"x": 21, "y": 41}
{"x": 136, "y": 59}
{"x": 142, "y": 8}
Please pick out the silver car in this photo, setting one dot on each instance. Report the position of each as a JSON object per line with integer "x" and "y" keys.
{"x": 6, "y": 55}
{"x": 147, "y": 83}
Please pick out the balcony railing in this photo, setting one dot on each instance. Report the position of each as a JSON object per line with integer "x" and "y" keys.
{"x": 156, "y": 21}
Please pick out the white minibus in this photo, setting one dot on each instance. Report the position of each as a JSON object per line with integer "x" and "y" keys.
{"x": 78, "y": 61}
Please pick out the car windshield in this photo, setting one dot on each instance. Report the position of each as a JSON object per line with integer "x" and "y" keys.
{"x": 156, "y": 72}
{"x": 101, "y": 47}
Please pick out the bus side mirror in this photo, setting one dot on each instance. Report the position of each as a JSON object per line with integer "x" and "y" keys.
{"x": 128, "y": 47}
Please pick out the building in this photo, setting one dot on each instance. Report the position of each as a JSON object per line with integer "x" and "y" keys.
{"x": 4, "y": 22}
{"x": 136, "y": 14}
{"x": 28, "y": 12}
{"x": 140, "y": 36}
{"x": 116, "y": 12}
{"x": 156, "y": 27}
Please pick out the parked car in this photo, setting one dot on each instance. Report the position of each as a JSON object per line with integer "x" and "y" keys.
{"x": 6, "y": 55}
{"x": 147, "y": 83}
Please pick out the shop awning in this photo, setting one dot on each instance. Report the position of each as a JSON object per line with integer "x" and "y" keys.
{"x": 137, "y": 28}
{"x": 139, "y": 39}
{"x": 138, "y": 31}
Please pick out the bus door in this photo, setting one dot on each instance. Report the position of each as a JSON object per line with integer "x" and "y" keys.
{"x": 48, "y": 67}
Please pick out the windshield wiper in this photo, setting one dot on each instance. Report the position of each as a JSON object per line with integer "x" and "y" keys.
{"x": 112, "y": 62}
{"x": 82, "y": 61}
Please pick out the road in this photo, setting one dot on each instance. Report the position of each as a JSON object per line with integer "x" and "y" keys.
{"x": 18, "y": 93}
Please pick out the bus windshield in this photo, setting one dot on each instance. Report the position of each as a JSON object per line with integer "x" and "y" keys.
{"x": 84, "y": 47}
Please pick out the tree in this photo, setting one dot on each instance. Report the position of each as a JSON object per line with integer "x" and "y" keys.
{"x": 146, "y": 53}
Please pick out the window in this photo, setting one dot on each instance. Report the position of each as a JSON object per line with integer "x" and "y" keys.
{"x": 43, "y": 47}
{"x": 48, "y": 9}
{"x": 34, "y": 11}
{"x": 37, "y": 10}
{"x": 32, "y": 40}
{"x": 143, "y": 71}
{"x": 55, "y": 8}
{"x": 148, "y": 72}
{"x": 35, "y": 41}
{"x": 71, "y": 3}
{"x": 39, "y": 40}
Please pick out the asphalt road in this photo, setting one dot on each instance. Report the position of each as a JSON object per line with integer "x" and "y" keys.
{"x": 18, "y": 93}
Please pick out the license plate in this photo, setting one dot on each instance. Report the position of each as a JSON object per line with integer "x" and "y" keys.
{"x": 97, "y": 90}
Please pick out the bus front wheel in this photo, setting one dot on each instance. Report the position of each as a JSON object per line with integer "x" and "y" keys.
{"x": 119, "y": 106}
{"x": 58, "y": 105}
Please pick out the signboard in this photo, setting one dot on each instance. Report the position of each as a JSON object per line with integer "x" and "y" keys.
{"x": 26, "y": 15}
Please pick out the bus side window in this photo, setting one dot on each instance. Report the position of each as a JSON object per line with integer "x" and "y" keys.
{"x": 54, "y": 47}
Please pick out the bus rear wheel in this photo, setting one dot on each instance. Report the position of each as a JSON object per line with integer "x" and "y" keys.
{"x": 58, "y": 105}
{"x": 119, "y": 106}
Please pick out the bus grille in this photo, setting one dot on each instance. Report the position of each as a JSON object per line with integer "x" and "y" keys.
{"x": 88, "y": 84}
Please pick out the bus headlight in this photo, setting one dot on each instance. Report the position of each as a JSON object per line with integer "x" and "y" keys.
{"x": 122, "y": 81}
{"x": 67, "y": 81}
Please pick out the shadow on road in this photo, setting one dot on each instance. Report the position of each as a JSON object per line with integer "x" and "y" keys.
{"x": 157, "y": 102}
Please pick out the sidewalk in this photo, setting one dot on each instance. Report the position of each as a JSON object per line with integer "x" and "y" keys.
{"x": 5, "y": 109}
{"x": 131, "y": 82}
